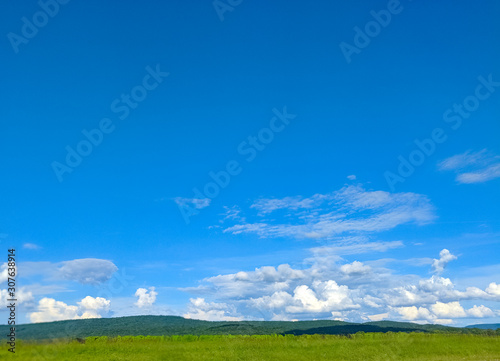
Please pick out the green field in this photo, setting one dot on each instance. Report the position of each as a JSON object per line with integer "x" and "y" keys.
{"x": 360, "y": 346}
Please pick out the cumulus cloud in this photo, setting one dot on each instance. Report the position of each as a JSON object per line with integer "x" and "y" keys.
{"x": 355, "y": 268}
{"x": 413, "y": 313}
{"x": 51, "y": 310}
{"x": 473, "y": 167}
{"x": 199, "y": 309}
{"x": 23, "y": 296}
{"x": 350, "y": 209}
{"x": 323, "y": 297}
{"x": 427, "y": 291}
{"x": 448, "y": 310}
{"x": 146, "y": 298}
{"x": 445, "y": 257}
{"x": 441, "y": 312}
{"x": 94, "y": 304}
{"x": 480, "y": 312}
{"x": 493, "y": 289}
{"x": 327, "y": 298}
{"x": 331, "y": 288}
{"x": 4, "y": 272}
{"x": 87, "y": 270}
{"x": 266, "y": 279}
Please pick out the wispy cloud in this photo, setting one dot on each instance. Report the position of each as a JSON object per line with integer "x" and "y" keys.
{"x": 31, "y": 246}
{"x": 232, "y": 213}
{"x": 354, "y": 246}
{"x": 349, "y": 210}
{"x": 473, "y": 167}
{"x": 91, "y": 271}
{"x": 197, "y": 203}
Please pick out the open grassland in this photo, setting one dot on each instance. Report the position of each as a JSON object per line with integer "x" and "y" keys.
{"x": 361, "y": 346}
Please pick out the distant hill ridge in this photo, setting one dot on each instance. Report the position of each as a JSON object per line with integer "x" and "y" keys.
{"x": 486, "y": 326}
{"x": 174, "y": 325}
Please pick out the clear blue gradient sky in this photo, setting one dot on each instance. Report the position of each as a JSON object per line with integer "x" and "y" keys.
{"x": 332, "y": 211}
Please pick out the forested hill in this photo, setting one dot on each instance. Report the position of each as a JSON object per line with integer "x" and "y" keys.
{"x": 486, "y": 326}
{"x": 172, "y": 325}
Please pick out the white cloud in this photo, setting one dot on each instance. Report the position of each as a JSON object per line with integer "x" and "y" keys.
{"x": 232, "y": 213}
{"x": 325, "y": 296}
{"x": 332, "y": 288}
{"x": 493, "y": 289}
{"x": 463, "y": 160}
{"x": 413, "y": 313}
{"x": 265, "y": 206}
{"x": 427, "y": 291}
{"x": 248, "y": 284}
{"x": 145, "y": 298}
{"x": 448, "y": 310}
{"x": 87, "y": 270}
{"x": 351, "y": 177}
{"x": 199, "y": 309}
{"x": 473, "y": 167}
{"x": 356, "y": 245}
{"x": 355, "y": 269}
{"x": 321, "y": 298}
{"x": 379, "y": 317}
{"x": 480, "y": 176}
{"x": 4, "y": 273}
{"x": 480, "y": 312}
{"x": 440, "y": 312}
{"x": 31, "y": 246}
{"x": 445, "y": 257}
{"x": 94, "y": 304}
{"x": 351, "y": 209}
{"x": 23, "y": 297}
{"x": 51, "y": 310}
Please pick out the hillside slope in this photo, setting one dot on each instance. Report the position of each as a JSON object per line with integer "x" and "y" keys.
{"x": 173, "y": 325}
{"x": 485, "y": 326}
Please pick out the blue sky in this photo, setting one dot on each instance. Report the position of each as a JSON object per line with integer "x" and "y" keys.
{"x": 232, "y": 160}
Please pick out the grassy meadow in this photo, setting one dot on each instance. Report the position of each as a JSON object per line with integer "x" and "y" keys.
{"x": 360, "y": 346}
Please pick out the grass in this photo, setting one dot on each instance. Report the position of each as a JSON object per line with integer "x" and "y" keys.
{"x": 362, "y": 347}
